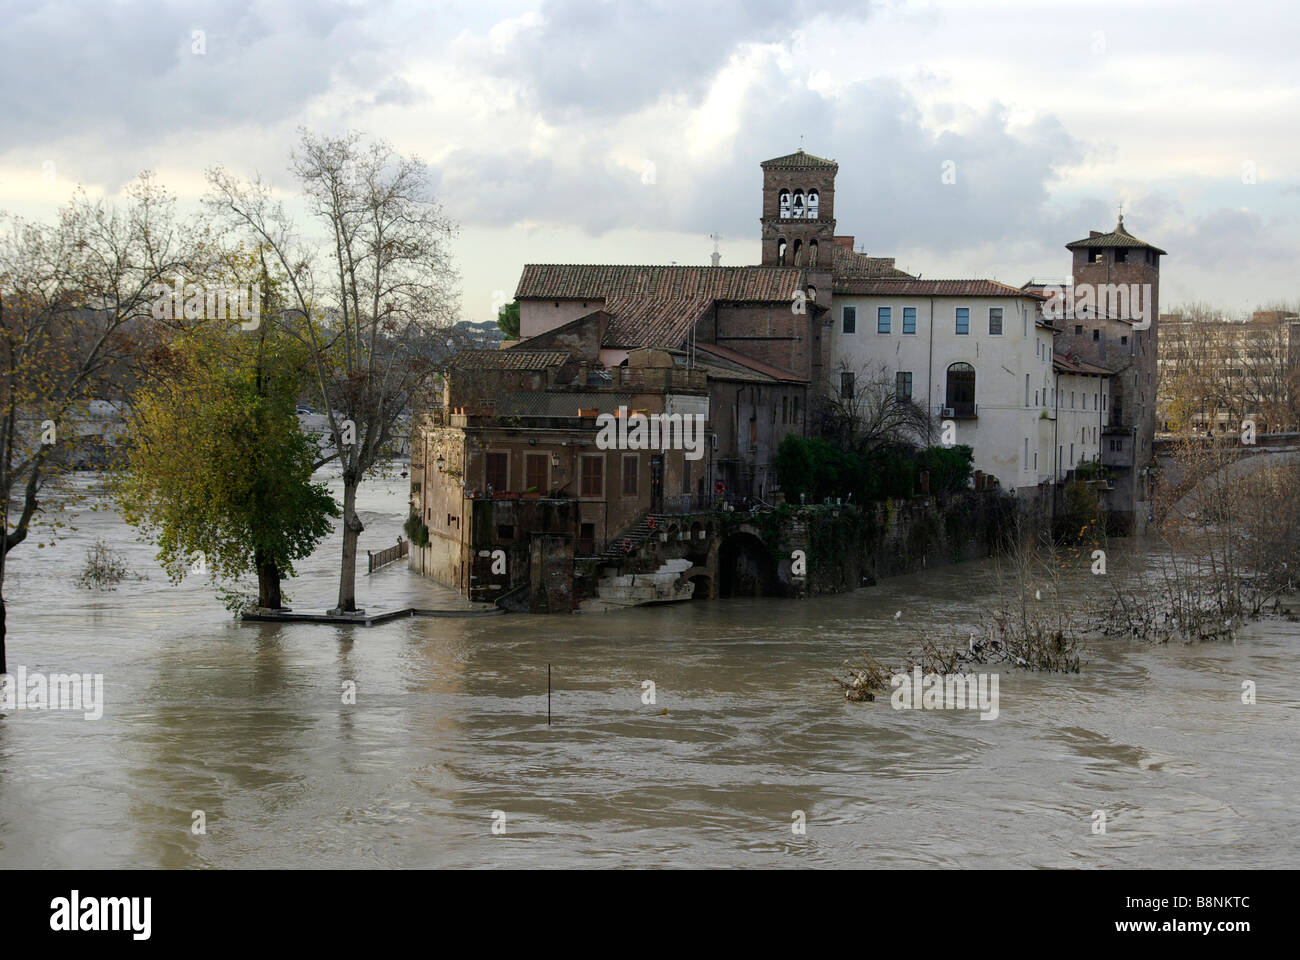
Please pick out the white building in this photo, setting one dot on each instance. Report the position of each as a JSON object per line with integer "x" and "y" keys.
{"x": 978, "y": 353}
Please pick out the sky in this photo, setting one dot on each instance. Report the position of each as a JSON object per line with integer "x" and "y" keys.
{"x": 575, "y": 131}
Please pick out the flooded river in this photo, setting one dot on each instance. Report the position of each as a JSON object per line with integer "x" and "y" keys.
{"x": 448, "y": 735}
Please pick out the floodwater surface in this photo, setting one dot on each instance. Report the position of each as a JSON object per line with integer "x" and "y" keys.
{"x": 448, "y": 735}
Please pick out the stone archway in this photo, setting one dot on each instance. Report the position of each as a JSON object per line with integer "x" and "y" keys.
{"x": 745, "y": 568}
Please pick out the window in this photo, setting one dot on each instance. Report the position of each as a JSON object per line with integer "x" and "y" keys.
{"x": 785, "y": 409}
{"x": 535, "y": 473}
{"x": 593, "y": 476}
{"x": 1027, "y": 389}
{"x": 961, "y": 390}
{"x": 995, "y": 321}
{"x": 794, "y": 409}
{"x": 498, "y": 471}
{"x": 505, "y": 531}
{"x": 1078, "y": 329}
{"x": 849, "y": 318}
{"x": 884, "y": 316}
{"x": 1096, "y": 334}
{"x": 1071, "y": 399}
{"x": 1026, "y": 460}
{"x": 963, "y": 320}
{"x": 846, "y": 386}
{"x": 781, "y": 248}
{"x": 785, "y": 204}
{"x": 903, "y": 384}
{"x": 1124, "y": 340}
{"x": 909, "y": 319}
{"x": 1121, "y": 255}
{"x": 631, "y": 467}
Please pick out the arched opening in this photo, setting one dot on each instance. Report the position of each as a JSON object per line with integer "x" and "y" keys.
{"x": 812, "y": 253}
{"x": 798, "y": 253}
{"x": 812, "y": 204}
{"x": 702, "y": 583}
{"x": 961, "y": 389}
{"x": 781, "y": 251}
{"x": 745, "y": 568}
{"x": 797, "y": 207}
{"x": 785, "y": 204}
{"x": 812, "y": 293}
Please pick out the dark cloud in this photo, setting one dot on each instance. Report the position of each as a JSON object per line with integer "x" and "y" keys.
{"x": 604, "y": 59}
{"x": 889, "y": 192}
{"x": 129, "y": 74}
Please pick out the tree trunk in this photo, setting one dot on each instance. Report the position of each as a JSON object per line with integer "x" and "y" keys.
{"x": 352, "y": 527}
{"x": 268, "y": 583}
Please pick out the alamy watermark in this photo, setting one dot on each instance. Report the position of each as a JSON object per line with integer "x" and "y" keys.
{"x": 194, "y": 301}
{"x": 952, "y": 691}
{"x": 657, "y": 431}
{"x": 1123, "y": 301}
{"x": 82, "y": 692}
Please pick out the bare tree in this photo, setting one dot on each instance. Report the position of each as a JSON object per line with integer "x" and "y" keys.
{"x": 76, "y": 301}
{"x": 871, "y": 408}
{"x": 372, "y": 293}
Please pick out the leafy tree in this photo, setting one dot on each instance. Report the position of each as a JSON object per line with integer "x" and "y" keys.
{"x": 218, "y": 466}
{"x": 508, "y": 320}
{"x": 370, "y": 295}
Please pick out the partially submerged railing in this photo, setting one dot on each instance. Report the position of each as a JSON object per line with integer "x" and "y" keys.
{"x": 379, "y": 558}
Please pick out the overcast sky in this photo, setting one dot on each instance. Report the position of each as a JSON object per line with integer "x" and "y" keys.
{"x": 581, "y": 131}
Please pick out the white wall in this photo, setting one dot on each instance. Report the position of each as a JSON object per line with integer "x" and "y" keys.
{"x": 1004, "y": 421}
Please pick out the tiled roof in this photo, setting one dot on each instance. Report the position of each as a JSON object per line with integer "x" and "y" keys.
{"x": 850, "y": 265}
{"x": 1119, "y": 237}
{"x": 1067, "y": 364}
{"x": 799, "y": 160}
{"x": 656, "y": 305}
{"x": 732, "y": 357}
{"x": 931, "y": 288}
{"x": 508, "y": 359}
{"x": 557, "y": 404}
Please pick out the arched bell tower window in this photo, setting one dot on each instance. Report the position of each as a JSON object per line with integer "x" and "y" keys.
{"x": 812, "y": 293}
{"x": 812, "y": 251}
{"x": 797, "y": 208}
{"x": 785, "y": 204}
{"x": 798, "y": 253}
{"x": 780, "y": 251}
{"x": 812, "y": 204}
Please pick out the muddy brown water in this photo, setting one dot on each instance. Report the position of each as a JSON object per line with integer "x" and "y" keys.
{"x": 246, "y": 723}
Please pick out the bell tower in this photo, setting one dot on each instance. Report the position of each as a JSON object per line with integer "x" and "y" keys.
{"x": 798, "y": 221}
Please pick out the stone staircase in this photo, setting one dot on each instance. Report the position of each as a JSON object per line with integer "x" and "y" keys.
{"x": 633, "y": 538}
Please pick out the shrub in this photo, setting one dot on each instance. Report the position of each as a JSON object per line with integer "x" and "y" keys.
{"x": 416, "y": 531}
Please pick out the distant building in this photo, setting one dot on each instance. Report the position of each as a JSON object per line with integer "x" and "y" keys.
{"x": 1215, "y": 374}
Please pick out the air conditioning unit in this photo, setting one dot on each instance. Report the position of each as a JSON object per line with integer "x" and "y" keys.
{"x": 947, "y": 411}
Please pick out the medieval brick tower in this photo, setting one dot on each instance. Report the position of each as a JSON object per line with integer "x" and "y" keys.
{"x": 798, "y": 211}
{"x": 1120, "y": 331}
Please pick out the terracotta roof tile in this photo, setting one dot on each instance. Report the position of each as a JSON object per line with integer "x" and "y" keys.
{"x": 1119, "y": 237}
{"x": 656, "y": 305}
{"x": 931, "y": 288}
{"x": 850, "y": 265}
{"x": 799, "y": 160}
{"x": 508, "y": 359}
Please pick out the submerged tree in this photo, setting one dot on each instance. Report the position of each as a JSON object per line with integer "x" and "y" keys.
{"x": 218, "y": 468}
{"x": 370, "y": 297}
